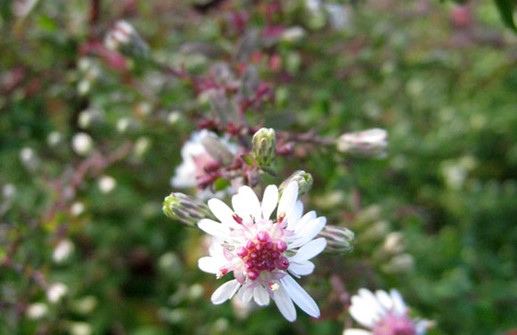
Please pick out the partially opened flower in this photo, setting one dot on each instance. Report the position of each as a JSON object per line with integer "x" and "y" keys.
{"x": 264, "y": 253}
{"x": 384, "y": 314}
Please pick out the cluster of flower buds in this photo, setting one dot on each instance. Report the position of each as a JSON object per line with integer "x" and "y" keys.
{"x": 386, "y": 248}
{"x": 264, "y": 147}
{"x": 185, "y": 209}
{"x": 124, "y": 38}
{"x": 372, "y": 143}
{"x": 339, "y": 239}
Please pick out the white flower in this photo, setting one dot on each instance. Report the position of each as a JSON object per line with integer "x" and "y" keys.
{"x": 82, "y": 144}
{"x": 196, "y": 159}
{"x": 56, "y": 292}
{"x": 384, "y": 314}
{"x": 264, "y": 254}
{"x": 371, "y": 143}
{"x": 62, "y": 251}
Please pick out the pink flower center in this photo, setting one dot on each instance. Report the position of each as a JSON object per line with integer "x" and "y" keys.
{"x": 393, "y": 324}
{"x": 263, "y": 253}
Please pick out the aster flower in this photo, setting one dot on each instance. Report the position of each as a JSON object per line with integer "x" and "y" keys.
{"x": 384, "y": 314}
{"x": 264, "y": 253}
{"x": 197, "y": 159}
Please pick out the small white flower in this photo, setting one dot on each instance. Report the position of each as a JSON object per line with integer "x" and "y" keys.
{"x": 62, "y": 251}
{"x": 107, "y": 184}
{"x": 384, "y": 314}
{"x": 264, "y": 254}
{"x": 82, "y": 144}
{"x": 77, "y": 208}
{"x": 36, "y": 311}
{"x": 56, "y": 292}
{"x": 195, "y": 159}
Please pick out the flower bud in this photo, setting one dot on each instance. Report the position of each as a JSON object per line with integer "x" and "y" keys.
{"x": 394, "y": 243}
{"x": 82, "y": 144}
{"x": 183, "y": 208}
{"x": 264, "y": 147}
{"x": 125, "y": 39}
{"x": 56, "y": 292}
{"x": 402, "y": 263}
{"x": 302, "y": 178}
{"x": 370, "y": 143}
{"x": 339, "y": 239}
{"x": 217, "y": 149}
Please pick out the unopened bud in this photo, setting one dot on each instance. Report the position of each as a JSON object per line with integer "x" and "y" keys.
{"x": 82, "y": 144}
{"x": 399, "y": 264}
{"x": 125, "y": 39}
{"x": 376, "y": 231}
{"x": 370, "y": 143}
{"x": 394, "y": 243}
{"x": 339, "y": 239}
{"x": 302, "y": 178}
{"x": 264, "y": 147}
{"x": 217, "y": 149}
{"x": 183, "y": 208}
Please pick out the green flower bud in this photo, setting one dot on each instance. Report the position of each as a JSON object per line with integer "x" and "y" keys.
{"x": 339, "y": 239}
{"x": 302, "y": 178}
{"x": 264, "y": 147}
{"x": 185, "y": 209}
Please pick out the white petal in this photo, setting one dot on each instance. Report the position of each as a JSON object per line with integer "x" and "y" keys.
{"x": 211, "y": 264}
{"x": 398, "y": 303}
{"x": 288, "y": 199}
{"x": 310, "y": 250}
{"x": 225, "y": 292}
{"x": 385, "y": 299}
{"x": 213, "y": 228}
{"x": 261, "y": 296}
{"x": 301, "y": 269}
{"x": 269, "y": 201}
{"x": 363, "y": 315}
{"x": 294, "y": 215}
{"x": 308, "y": 232}
{"x": 221, "y": 211}
{"x": 308, "y": 217}
{"x": 245, "y": 294}
{"x": 356, "y": 332}
{"x": 285, "y": 304}
{"x": 246, "y": 204}
{"x": 300, "y": 296}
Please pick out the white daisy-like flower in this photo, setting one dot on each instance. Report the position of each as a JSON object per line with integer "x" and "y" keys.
{"x": 264, "y": 254}
{"x": 384, "y": 314}
{"x": 196, "y": 159}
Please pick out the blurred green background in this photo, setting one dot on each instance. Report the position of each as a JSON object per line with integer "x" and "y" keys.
{"x": 90, "y": 138}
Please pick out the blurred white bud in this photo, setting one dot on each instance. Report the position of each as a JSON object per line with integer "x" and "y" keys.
{"x": 89, "y": 117}
{"x": 80, "y": 328}
{"x": 56, "y": 291}
{"x": 84, "y": 86}
{"x": 394, "y": 243}
{"x": 123, "y": 124}
{"x": 36, "y": 311}
{"x": 62, "y": 251}
{"x": 8, "y": 191}
{"x": 220, "y": 326}
{"x": 399, "y": 264}
{"x": 28, "y": 158}
{"x": 107, "y": 184}
{"x": 372, "y": 143}
{"x": 173, "y": 117}
{"x": 85, "y": 305}
{"x": 242, "y": 309}
{"x": 125, "y": 39}
{"x": 54, "y": 138}
{"x": 293, "y": 34}
{"x": 142, "y": 145}
{"x": 77, "y": 208}
{"x": 375, "y": 231}
{"x": 143, "y": 108}
{"x": 195, "y": 291}
{"x": 82, "y": 144}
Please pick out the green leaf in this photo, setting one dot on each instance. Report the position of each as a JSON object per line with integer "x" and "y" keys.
{"x": 221, "y": 183}
{"x": 506, "y": 9}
